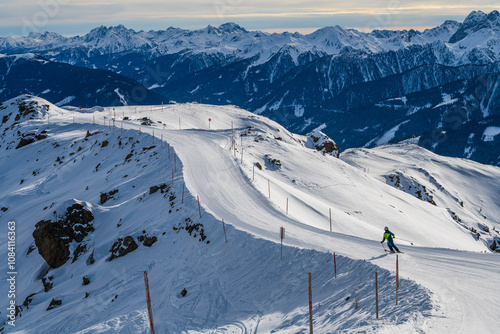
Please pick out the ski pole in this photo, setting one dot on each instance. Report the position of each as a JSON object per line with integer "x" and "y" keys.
{"x": 384, "y": 247}
{"x": 411, "y": 242}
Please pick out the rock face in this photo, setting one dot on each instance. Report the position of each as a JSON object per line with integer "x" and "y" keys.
{"x": 53, "y": 238}
{"x": 122, "y": 247}
{"x": 321, "y": 142}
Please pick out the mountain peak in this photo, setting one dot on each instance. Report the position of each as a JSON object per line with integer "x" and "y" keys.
{"x": 475, "y": 21}
{"x": 231, "y": 27}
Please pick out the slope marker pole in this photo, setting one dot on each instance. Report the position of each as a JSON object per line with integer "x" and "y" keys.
{"x": 148, "y": 300}
{"x": 376, "y": 294}
{"x": 199, "y": 208}
{"x": 282, "y": 236}
{"x": 310, "y": 305}
{"x": 224, "y": 227}
{"x": 397, "y": 278}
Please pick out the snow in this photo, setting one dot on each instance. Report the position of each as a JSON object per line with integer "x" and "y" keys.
{"x": 243, "y": 285}
{"x": 65, "y": 101}
{"x": 387, "y": 137}
{"x": 123, "y": 101}
{"x": 479, "y": 44}
{"x": 490, "y": 133}
{"x": 446, "y": 101}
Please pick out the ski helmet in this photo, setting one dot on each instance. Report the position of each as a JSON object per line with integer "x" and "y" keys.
{"x": 386, "y": 228}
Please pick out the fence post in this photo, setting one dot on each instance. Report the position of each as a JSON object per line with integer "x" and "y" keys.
{"x": 148, "y": 300}
{"x": 282, "y": 236}
{"x": 397, "y": 278}
{"x": 199, "y": 208}
{"x": 310, "y": 305}
{"x": 224, "y": 227}
{"x": 376, "y": 293}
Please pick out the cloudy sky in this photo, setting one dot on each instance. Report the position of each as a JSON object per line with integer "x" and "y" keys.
{"x": 70, "y": 17}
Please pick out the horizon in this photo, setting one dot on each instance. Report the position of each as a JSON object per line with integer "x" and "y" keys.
{"x": 303, "y": 31}
{"x": 78, "y": 18}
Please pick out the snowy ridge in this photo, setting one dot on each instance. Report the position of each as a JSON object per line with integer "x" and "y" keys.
{"x": 120, "y": 173}
{"x": 468, "y": 40}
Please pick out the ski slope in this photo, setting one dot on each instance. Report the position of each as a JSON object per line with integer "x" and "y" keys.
{"x": 242, "y": 286}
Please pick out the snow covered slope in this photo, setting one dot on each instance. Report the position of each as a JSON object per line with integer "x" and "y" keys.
{"x": 123, "y": 199}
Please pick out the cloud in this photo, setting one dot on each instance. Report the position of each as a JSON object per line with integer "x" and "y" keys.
{"x": 40, "y": 15}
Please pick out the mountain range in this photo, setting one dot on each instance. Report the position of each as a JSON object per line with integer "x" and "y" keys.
{"x": 363, "y": 89}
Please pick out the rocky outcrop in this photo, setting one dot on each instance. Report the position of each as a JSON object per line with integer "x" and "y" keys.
{"x": 122, "y": 247}
{"x": 53, "y": 238}
{"x": 321, "y": 142}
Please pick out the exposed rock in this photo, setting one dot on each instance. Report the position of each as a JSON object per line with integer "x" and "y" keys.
{"x": 25, "y": 141}
{"x": 49, "y": 239}
{"x": 184, "y": 292}
{"x": 53, "y": 238}
{"x": 86, "y": 281}
{"x": 321, "y": 142}
{"x": 107, "y": 196}
{"x": 122, "y": 247}
{"x": 54, "y": 303}
{"x": 28, "y": 300}
{"x": 47, "y": 283}
{"x": 147, "y": 240}
{"x": 163, "y": 187}
{"x": 191, "y": 228}
{"x": 271, "y": 162}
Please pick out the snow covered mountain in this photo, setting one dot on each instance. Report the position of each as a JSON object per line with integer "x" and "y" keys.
{"x": 333, "y": 78}
{"x": 68, "y": 84}
{"x": 196, "y": 195}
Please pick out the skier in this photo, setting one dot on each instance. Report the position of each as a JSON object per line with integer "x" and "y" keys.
{"x": 390, "y": 242}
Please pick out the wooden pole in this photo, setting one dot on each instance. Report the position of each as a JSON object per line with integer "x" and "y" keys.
{"x": 376, "y": 293}
{"x": 224, "y": 227}
{"x": 148, "y": 300}
{"x": 397, "y": 278}
{"x": 282, "y": 236}
{"x": 310, "y": 305}
{"x": 199, "y": 208}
